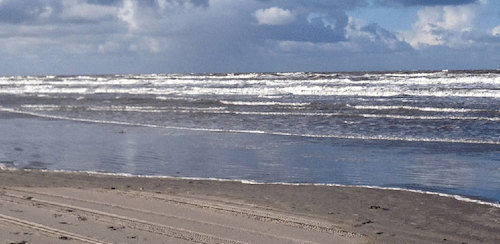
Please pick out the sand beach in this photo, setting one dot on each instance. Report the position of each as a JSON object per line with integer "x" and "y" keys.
{"x": 64, "y": 207}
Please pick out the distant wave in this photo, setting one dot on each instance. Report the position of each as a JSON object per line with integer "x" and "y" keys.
{"x": 359, "y": 91}
{"x": 436, "y": 84}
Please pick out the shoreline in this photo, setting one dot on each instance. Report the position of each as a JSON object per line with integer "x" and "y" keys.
{"x": 370, "y": 214}
{"x": 457, "y": 197}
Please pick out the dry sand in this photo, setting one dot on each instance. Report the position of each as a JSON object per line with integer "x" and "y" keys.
{"x": 49, "y": 207}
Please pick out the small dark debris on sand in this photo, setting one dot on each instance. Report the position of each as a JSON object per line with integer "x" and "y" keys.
{"x": 364, "y": 223}
{"x": 378, "y": 207}
{"x": 367, "y": 222}
{"x": 20, "y": 242}
{"x": 116, "y": 228}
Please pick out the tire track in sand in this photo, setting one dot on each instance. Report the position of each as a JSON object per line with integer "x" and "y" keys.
{"x": 47, "y": 230}
{"x": 255, "y": 232}
{"x": 135, "y": 223}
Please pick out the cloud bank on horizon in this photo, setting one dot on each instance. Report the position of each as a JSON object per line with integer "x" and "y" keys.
{"x": 165, "y": 36}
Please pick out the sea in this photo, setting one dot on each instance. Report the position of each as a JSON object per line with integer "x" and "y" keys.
{"x": 429, "y": 131}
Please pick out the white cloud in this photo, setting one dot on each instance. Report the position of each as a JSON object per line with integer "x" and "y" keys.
{"x": 153, "y": 44}
{"x": 148, "y": 44}
{"x": 163, "y": 4}
{"x": 82, "y": 10}
{"x": 172, "y": 5}
{"x": 353, "y": 29}
{"x": 496, "y": 31}
{"x": 458, "y": 18}
{"x": 127, "y": 14}
{"x": 46, "y": 13}
{"x": 441, "y": 26}
{"x": 293, "y": 46}
{"x": 274, "y": 16}
{"x": 108, "y": 47}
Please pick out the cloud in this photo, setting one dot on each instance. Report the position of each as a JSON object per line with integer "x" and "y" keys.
{"x": 127, "y": 14}
{"x": 81, "y": 10}
{"x": 126, "y": 36}
{"x": 423, "y": 2}
{"x": 108, "y": 47}
{"x": 21, "y": 11}
{"x": 496, "y": 31}
{"x": 148, "y": 45}
{"x": 274, "y": 16}
{"x": 180, "y": 4}
{"x": 441, "y": 26}
{"x": 373, "y": 38}
{"x": 359, "y": 38}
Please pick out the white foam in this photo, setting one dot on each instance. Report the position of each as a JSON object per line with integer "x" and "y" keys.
{"x": 5, "y": 167}
{"x": 222, "y": 110}
{"x": 41, "y": 106}
{"x": 412, "y": 74}
{"x": 359, "y": 137}
{"x": 389, "y": 116}
{"x": 466, "y": 85}
{"x": 249, "y": 103}
{"x": 427, "y": 109}
{"x": 115, "y": 108}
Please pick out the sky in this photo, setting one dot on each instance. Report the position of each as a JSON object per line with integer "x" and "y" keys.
{"x": 63, "y": 37}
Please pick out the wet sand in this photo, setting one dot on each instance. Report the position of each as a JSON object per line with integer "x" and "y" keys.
{"x": 51, "y": 207}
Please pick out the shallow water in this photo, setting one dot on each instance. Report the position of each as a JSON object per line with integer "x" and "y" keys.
{"x": 454, "y": 168}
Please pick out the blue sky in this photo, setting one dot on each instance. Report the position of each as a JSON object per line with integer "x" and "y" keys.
{"x": 183, "y": 36}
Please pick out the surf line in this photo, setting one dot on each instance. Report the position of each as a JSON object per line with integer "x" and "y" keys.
{"x": 379, "y": 138}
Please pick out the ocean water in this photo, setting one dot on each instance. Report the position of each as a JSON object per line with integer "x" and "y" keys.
{"x": 436, "y": 131}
